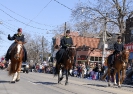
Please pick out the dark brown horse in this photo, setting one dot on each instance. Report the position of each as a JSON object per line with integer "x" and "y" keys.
{"x": 120, "y": 64}
{"x": 66, "y": 64}
{"x": 17, "y": 54}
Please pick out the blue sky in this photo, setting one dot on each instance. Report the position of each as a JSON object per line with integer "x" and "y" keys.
{"x": 41, "y": 16}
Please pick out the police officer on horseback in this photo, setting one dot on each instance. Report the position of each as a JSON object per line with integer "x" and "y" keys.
{"x": 64, "y": 43}
{"x": 118, "y": 47}
{"x": 19, "y": 37}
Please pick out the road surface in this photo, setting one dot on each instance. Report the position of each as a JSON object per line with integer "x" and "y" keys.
{"x": 41, "y": 83}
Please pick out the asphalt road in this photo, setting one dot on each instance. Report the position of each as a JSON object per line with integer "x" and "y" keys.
{"x": 41, "y": 83}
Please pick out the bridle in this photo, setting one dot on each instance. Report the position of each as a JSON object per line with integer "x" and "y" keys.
{"x": 70, "y": 53}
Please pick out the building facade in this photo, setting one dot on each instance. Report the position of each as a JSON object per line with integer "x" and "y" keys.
{"x": 129, "y": 31}
{"x": 84, "y": 47}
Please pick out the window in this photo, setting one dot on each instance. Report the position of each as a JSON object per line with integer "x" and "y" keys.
{"x": 92, "y": 59}
{"x": 96, "y": 58}
{"x": 100, "y": 58}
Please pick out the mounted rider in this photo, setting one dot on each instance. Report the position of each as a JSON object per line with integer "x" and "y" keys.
{"x": 19, "y": 37}
{"x": 64, "y": 43}
{"x": 118, "y": 47}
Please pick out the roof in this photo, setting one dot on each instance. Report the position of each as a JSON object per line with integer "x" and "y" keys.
{"x": 80, "y": 41}
{"x": 72, "y": 33}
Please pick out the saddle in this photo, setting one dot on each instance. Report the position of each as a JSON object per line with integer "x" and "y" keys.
{"x": 117, "y": 56}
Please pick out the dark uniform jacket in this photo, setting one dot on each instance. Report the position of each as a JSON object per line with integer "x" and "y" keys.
{"x": 118, "y": 47}
{"x": 66, "y": 41}
{"x": 17, "y": 37}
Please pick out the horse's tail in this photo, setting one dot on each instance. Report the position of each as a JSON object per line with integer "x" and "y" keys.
{"x": 105, "y": 74}
{"x": 56, "y": 70}
{"x": 10, "y": 69}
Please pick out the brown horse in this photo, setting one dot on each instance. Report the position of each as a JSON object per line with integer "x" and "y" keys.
{"x": 66, "y": 64}
{"x": 119, "y": 66}
{"x": 17, "y": 54}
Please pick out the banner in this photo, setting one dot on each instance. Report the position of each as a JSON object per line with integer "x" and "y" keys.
{"x": 129, "y": 46}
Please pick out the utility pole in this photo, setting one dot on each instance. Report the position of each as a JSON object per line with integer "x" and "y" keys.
{"x": 42, "y": 48}
{"x": 104, "y": 40}
{"x": 65, "y": 29}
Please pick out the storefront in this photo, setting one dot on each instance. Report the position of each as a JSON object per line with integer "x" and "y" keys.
{"x": 129, "y": 46}
{"x": 88, "y": 57}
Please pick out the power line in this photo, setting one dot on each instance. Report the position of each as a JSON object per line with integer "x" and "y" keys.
{"x": 8, "y": 27}
{"x": 62, "y": 4}
{"x": 27, "y": 18}
{"x": 39, "y": 12}
{"x": 21, "y": 21}
{"x": 14, "y": 30}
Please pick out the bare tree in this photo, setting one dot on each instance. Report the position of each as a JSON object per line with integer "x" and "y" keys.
{"x": 62, "y": 28}
{"x": 115, "y": 11}
{"x": 34, "y": 47}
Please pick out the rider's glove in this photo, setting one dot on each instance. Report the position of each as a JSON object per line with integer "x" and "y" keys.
{"x": 8, "y": 36}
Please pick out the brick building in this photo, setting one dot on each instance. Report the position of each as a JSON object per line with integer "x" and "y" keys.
{"x": 83, "y": 45}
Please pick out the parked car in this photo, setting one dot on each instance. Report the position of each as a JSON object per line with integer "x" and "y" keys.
{"x": 25, "y": 67}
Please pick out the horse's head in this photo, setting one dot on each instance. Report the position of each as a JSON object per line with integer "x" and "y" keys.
{"x": 71, "y": 51}
{"x": 18, "y": 49}
{"x": 125, "y": 55}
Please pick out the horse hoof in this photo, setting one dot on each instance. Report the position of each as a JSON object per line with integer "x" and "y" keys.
{"x": 119, "y": 86}
{"x": 61, "y": 78}
{"x": 12, "y": 81}
{"x": 17, "y": 80}
{"x": 66, "y": 83}
{"x": 109, "y": 85}
{"x": 115, "y": 84}
{"x": 59, "y": 82}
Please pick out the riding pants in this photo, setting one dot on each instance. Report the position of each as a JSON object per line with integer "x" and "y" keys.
{"x": 59, "y": 55}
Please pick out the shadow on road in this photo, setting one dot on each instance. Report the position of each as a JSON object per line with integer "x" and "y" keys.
{"x": 96, "y": 85}
{"x": 1, "y": 81}
{"x": 46, "y": 83}
{"x": 129, "y": 86}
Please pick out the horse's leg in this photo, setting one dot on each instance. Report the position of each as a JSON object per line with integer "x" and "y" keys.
{"x": 114, "y": 75}
{"x": 18, "y": 71}
{"x": 18, "y": 76}
{"x": 60, "y": 75}
{"x": 119, "y": 85}
{"x": 66, "y": 77}
{"x": 14, "y": 77}
{"x": 123, "y": 76}
{"x": 58, "y": 78}
{"x": 109, "y": 77}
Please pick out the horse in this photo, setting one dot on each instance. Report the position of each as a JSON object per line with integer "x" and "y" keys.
{"x": 66, "y": 63}
{"x": 17, "y": 55}
{"x": 120, "y": 64}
